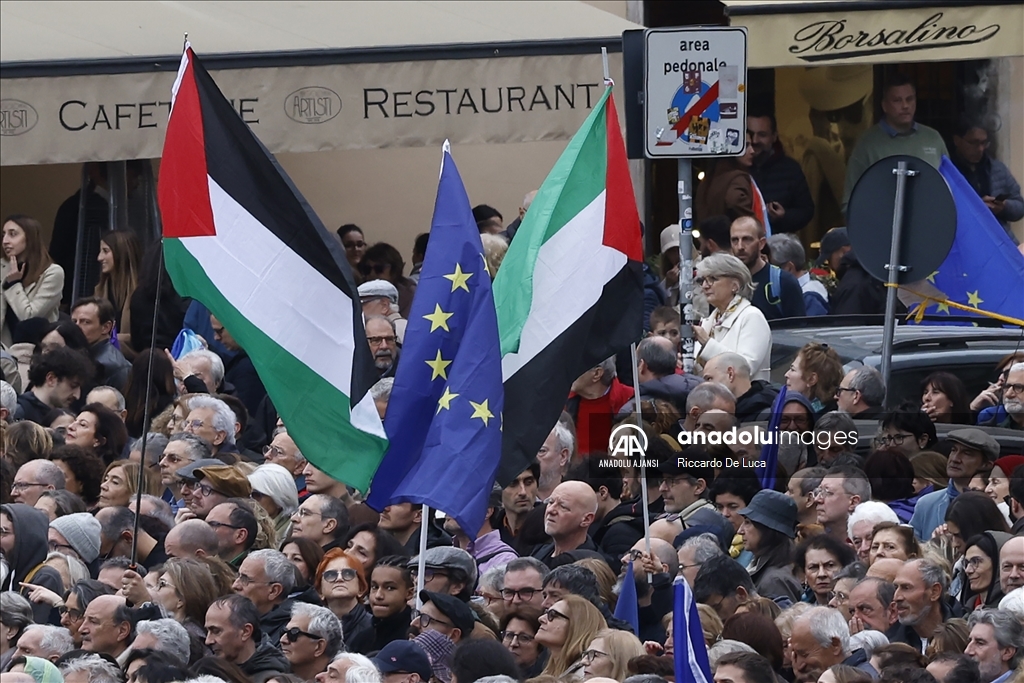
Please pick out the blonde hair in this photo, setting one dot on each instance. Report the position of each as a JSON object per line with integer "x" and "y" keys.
{"x": 585, "y": 622}
{"x": 710, "y": 624}
{"x": 194, "y": 584}
{"x": 620, "y": 646}
{"x": 605, "y": 579}
{"x": 150, "y": 480}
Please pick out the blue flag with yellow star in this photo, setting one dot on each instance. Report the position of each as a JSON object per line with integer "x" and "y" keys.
{"x": 983, "y": 270}
{"x": 444, "y": 417}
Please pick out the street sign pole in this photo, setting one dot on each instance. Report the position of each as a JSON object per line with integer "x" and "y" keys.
{"x": 686, "y": 316}
{"x": 895, "y": 268}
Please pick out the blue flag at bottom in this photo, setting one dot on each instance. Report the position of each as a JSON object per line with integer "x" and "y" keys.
{"x": 770, "y": 452}
{"x": 444, "y": 417}
{"x": 627, "y": 608}
{"x": 689, "y": 649}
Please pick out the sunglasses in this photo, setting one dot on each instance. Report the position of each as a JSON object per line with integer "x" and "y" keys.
{"x": 376, "y": 268}
{"x": 72, "y": 614}
{"x": 292, "y": 634}
{"x": 333, "y": 575}
{"x": 553, "y": 614}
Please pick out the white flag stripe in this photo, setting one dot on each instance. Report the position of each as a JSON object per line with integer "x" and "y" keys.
{"x": 572, "y": 268}
{"x": 271, "y": 286}
{"x": 689, "y": 611}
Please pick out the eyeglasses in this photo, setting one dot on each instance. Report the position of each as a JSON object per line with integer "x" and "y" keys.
{"x": 333, "y": 575}
{"x": 294, "y": 632}
{"x": 589, "y": 656}
{"x": 709, "y": 279}
{"x": 553, "y": 614}
{"x": 248, "y": 581}
{"x": 377, "y": 341}
{"x": 842, "y": 598}
{"x": 275, "y": 451}
{"x": 512, "y": 636}
{"x": 22, "y": 485}
{"x": 193, "y": 424}
{"x": 376, "y": 268}
{"x": 218, "y": 525}
{"x": 892, "y": 440}
{"x": 1015, "y": 388}
{"x": 55, "y": 547}
{"x": 525, "y": 594}
{"x": 306, "y": 512}
{"x": 428, "y": 573}
{"x": 204, "y": 489}
{"x": 72, "y": 614}
{"x": 635, "y": 555}
{"x": 974, "y": 562}
{"x": 425, "y": 620}
{"x": 840, "y": 390}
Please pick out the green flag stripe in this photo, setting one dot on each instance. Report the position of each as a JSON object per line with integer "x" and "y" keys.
{"x": 317, "y": 413}
{"x": 577, "y": 178}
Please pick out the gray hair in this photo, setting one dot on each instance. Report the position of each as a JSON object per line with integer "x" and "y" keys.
{"x": 659, "y": 359}
{"x": 868, "y": 382}
{"x": 332, "y": 508}
{"x": 785, "y": 249}
{"x": 277, "y": 568}
{"x": 1007, "y": 629}
{"x": 564, "y": 437}
{"x": 493, "y": 578}
{"x": 499, "y": 678}
{"x": 1016, "y": 367}
{"x": 15, "y": 610}
{"x": 810, "y": 478}
{"x": 835, "y": 421}
{"x": 155, "y": 445}
{"x": 726, "y": 647}
{"x": 826, "y": 625}
{"x": 55, "y": 640}
{"x": 733, "y": 360}
{"x": 380, "y": 317}
{"x": 118, "y": 396}
{"x": 704, "y": 395}
{"x": 868, "y": 641}
{"x": 198, "y": 448}
{"x": 323, "y": 623}
{"x": 382, "y": 389}
{"x": 76, "y": 568}
{"x": 870, "y": 511}
{"x": 932, "y": 573}
{"x": 275, "y": 481}
{"x": 46, "y": 472}
{"x": 98, "y": 669}
{"x": 610, "y": 371}
{"x": 855, "y": 482}
{"x": 727, "y": 265}
{"x": 362, "y": 669}
{"x": 705, "y": 546}
{"x": 216, "y": 364}
{"x": 223, "y": 417}
{"x": 172, "y": 636}
{"x": 162, "y": 511}
{"x": 8, "y": 398}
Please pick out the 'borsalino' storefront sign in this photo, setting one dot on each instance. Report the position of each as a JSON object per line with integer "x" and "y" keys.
{"x": 71, "y": 119}
{"x": 872, "y": 36}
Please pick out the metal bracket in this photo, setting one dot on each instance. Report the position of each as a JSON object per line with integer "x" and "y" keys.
{"x": 906, "y": 172}
{"x": 901, "y": 269}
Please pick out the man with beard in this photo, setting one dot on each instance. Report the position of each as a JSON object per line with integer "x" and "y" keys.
{"x": 1011, "y": 415}
{"x": 779, "y": 178}
{"x": 996, "y": 643}
{"x": 973, "y": 452}
{"x": 821, "y": 639}
{"x": 777, "y": 294}
{"x": 920, "y": 587}
{"x": 383, "y": 341}
{"x": 517, "y": 501}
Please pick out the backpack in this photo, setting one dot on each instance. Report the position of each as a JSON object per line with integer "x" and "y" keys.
{"x": 773, "y": 290}
{"x": 815, "y": 304}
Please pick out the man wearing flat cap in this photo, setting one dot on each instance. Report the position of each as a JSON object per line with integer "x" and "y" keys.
{"x": 973, "y": 452}
{"x": 768, "y": 530}
{"x": 447, "y": 570}
{"x": 214, "y": 485}
{"x": 445, "y": 614}
{"x": 380, "y": 297}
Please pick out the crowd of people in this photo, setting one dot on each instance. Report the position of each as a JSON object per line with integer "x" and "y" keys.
{"x": 158, "y": 522}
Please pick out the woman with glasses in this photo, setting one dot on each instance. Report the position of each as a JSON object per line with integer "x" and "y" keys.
{"x": 895, "y": 541}
{"x": 273, "y": 487}
{"x": 342, "y": 585}
{"x": 981, "y": 589}
{"x": 99, "y": 429}
{"x": 78, "y": 598}
{"x": 186, "y": 588}
{"x": 736, "y": 325}
{"x": 83, "y": 472}
{"x": 383, "y": 262}
{"x": 566, "y": 628}
{"x": 519, "y": 629}
{"x": 608, "y": 654}
{"x": 819, "y": 559}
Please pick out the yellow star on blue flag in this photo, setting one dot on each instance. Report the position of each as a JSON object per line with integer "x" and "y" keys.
{"x": 444, "y": 448}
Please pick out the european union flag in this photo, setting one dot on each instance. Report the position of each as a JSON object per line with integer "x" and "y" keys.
{"x": 444, "y": 416}
{"x": 983, "y": 270}
{"x": 770, "y": 451}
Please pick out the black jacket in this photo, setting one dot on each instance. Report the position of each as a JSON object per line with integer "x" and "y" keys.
{"x": 900, "y": 633}
{"x": 32, "y": 408}
{"x": 780, "y": 179}
{"x": 355, "y": 624}
{"x": 435, "y": 537}
{"x": 661, "y": 604}
{"x": 267, "y": 660}
{"x": 672, "y": 388}
{"x": 545, "y": 553}
{"x": 26, "y": 559}
{"x": 240, "y": 372}
{"x": 272, "y": 623}
{"x": 759, "y": 397}
{"x": 385, "y": 630}
{"x": 858, "y": 293}
{"x": 113, "y": 366}
{"x": 618, "y": 530}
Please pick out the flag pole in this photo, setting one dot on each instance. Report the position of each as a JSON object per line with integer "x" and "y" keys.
{"x": 421, "y": 564}
{"x": 604, "y": 63}
{"x": 643, "y": 463}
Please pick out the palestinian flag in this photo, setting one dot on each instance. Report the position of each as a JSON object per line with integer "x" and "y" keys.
{"x": 240, "y": 238}
{"x": 569, "y": 293}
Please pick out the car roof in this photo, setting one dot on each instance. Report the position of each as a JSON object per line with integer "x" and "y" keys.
{"x": 859, "y": 342}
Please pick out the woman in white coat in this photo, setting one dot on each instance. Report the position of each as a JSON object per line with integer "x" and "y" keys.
{"x": 735, "y": 324}
{"x": 31, "y": 284}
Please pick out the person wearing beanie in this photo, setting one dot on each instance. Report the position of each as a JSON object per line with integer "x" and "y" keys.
{"x": 77, "y": 535}
{"x": 273, "y": 487}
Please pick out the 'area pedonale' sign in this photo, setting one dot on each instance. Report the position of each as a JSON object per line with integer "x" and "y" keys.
{"x": 72, "y": 119}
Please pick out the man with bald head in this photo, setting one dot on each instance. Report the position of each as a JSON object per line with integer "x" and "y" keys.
{"x": 33, "y": 478}
{"x": 107, "y": 626}
{"x": 1011, "y": 564}
{"x": 654, "y": 597}
{"x": 570, "y": 512}
{"x": 752, "y": 396}
{"x": 715, "y": 420}
{"x": 191, "y": 538}
{"x": 885, "y": 568}
{"x": 656, "y": 372}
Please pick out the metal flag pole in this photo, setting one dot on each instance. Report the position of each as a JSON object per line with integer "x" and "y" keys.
{"x": 686, "y": 315}
{"x": 902, "y": 173}
{"x": 643, "y": 461}
{"x": 421, "y": 565}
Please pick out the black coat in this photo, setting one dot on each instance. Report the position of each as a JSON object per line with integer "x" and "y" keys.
{"x": 759, "y": 397}
{"x": 618, "y": 530}
{"x": 780, "y": 179}
{"x": 858, "y": 293}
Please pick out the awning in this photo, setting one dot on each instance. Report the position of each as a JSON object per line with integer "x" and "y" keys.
{"x": 826, "y": 32}
{"x": 91, "y": 81}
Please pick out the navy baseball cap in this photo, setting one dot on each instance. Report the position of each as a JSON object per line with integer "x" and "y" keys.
{"x": 404, "y": 656}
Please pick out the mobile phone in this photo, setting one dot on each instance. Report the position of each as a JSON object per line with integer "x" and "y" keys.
{"x": 1003, "y": 197}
